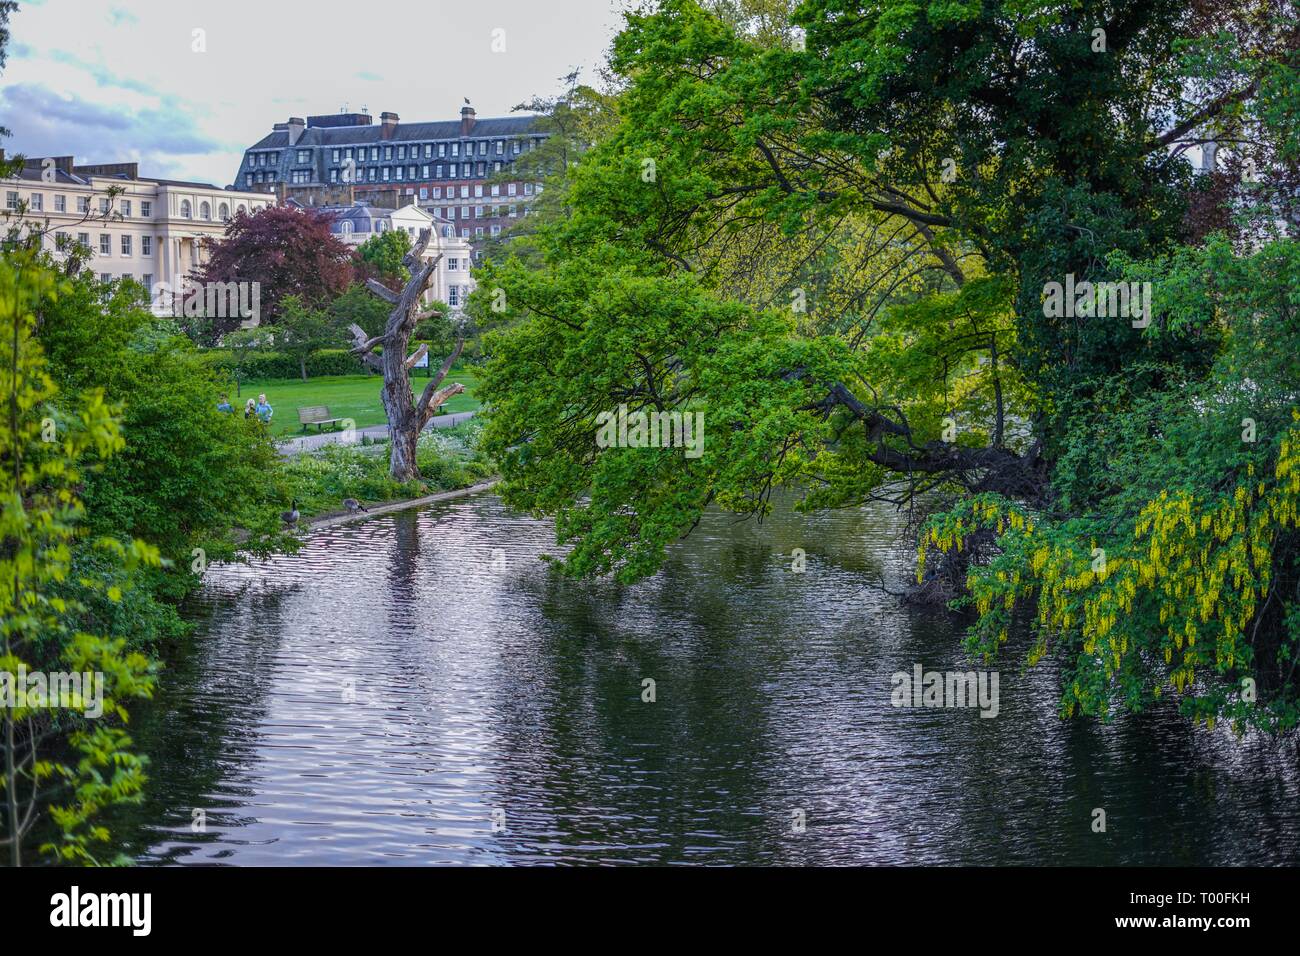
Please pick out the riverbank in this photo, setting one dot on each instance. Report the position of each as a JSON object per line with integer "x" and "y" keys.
{"x": 319, "y": 481}
{"x": 374, "y": 511}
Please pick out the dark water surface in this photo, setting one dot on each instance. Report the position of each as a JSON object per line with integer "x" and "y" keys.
{"x": 482, "y": 683}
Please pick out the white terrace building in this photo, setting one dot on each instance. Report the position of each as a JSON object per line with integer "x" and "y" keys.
{"x": 452, "y": 282}
{"x": 154, "y": 230}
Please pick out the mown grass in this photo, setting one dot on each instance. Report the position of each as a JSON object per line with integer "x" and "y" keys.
{"x": 348, "y": 396}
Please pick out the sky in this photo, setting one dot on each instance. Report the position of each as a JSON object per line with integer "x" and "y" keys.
{"x": 126, "y": 80}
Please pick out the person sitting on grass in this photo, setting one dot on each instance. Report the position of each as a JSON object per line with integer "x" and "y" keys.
{"x": 264, "y": 410}
{"x": 224, "y": 405}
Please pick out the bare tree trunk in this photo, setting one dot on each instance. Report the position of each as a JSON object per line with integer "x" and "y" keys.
{"x": 406, "y": 416}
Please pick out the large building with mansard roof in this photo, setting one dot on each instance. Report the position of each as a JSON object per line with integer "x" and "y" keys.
{"x": 443, "y": 165}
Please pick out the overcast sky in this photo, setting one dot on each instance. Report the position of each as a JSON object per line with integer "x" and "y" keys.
{"x": 119, "y": 80}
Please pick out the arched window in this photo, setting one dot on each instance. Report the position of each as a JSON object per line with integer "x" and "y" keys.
{"x": 224, "y": 210}
{"x": 347, "y": 227}
{"x": 205, "y": 211}
{"x": 185, "y": 209}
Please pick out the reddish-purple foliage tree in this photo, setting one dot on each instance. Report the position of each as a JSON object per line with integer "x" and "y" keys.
{"x": 289, "y": 251}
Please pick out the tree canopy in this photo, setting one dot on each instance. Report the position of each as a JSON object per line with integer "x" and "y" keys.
{"x": 833, "y": 235}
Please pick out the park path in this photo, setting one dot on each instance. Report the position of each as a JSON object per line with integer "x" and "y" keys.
{"x": 314, "y": 441}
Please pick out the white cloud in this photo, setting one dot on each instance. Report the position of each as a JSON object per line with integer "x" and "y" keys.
{"x": 127, "y": 83}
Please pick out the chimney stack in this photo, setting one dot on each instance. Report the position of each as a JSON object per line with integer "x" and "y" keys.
{"x": 295, "y": 126}
{"x": 466, "y": 119}
{"x": 387, "y": 124}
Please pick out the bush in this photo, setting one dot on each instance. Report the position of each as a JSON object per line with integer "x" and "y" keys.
{"x": 448, "y": 459}
{"x": 261, "y": 365}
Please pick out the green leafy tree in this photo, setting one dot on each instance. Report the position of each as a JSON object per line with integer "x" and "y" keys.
{"x": 189, "y": 478}
{"x": 63, "y": 763}
{"x": 835, "y": 245}
{"x": 301, "y": 331}
{"x": 384, "y": 252}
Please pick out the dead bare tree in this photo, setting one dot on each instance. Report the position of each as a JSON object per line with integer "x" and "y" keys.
{"x": 406, "y": 416}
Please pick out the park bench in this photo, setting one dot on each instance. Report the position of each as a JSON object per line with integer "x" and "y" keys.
{"x": 318, "y": 415}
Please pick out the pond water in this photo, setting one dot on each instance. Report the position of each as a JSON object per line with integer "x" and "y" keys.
{"x": 420, "y": 688}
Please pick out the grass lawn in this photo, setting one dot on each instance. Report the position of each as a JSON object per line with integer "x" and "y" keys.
{"x": 348, "y": 396}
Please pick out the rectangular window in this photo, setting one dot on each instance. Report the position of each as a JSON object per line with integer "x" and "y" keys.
{"x": 371, "y": 177}
{"x": 304, "y": 155}
{"x": 501, "y": 147}
{"x": 512, "y": 189}
{"x": 496, "y": 230}
{"x": 38, "y": 202}
{"x": 334, "y": 175}
{"x": 147, "y": 280}
{"x": 104, "y": 206}
{"x": 398, "y": 172}
{"x": 478, "y": 212}
{"x": 105, "y": 244}
{"x": 478, "y": 190}
{"x": 464, "y": 212}
{"x": 146, "y": 209}
{"x": 451, "y": 212}
{"x": 496, "y": 167}
{"x": 482, "y": 148}
{"x": 11, "y": 200}
{"x": 453, "y": 295}
{"x": 374, "y": 153}
{"x": 464, "y": 232}
{"x": 146, "y": 245}
{"x": 528, "y": 189}
{"x": 424, "y": 192}
{"x": 388, "y": 152}
{"x": 437, "y": 172}
{"x": 336, "y": 155}
{"x": 105, "y": 277}
{"x": 512, "y": 212}
{"x": 496, "y": 189}
{"x": 437, "y": 192}
{"x": 347, "y": 153}
{"x": 442, "y": 150}
{"x": 455, "y": 149}
{"x": 478, "y": 230}
{"x": 60, "y": 203}
{"x": 428, "y": 150}
{"x": 387, "y": 172}
{"x": 464, "y": 192}
{"x": 401, "y": 152}
{"x": 453, "y": 265}
{"x": 83, "y": 204}
{"x": 126, "y": 209}
{"x": 424, "y": 172}
{"x": 126, "y": 245}
{"x": 83, "y": 239}
{"x": 518, "y": 147}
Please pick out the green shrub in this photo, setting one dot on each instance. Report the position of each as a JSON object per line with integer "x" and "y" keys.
{"x": 262, "y": 365}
